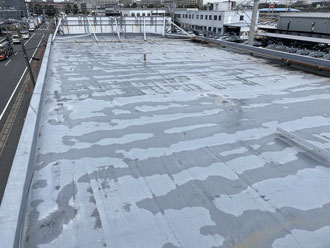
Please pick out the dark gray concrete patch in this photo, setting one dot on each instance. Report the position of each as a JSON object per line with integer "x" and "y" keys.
{"x": 43, "y": 231}
{"x": 39, "y": 184}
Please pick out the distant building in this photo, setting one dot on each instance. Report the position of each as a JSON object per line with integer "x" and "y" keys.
{"x": 217, "y": 21}
{"x": 57, "y": 6}
{"x": 138, "y": 12}
{"x": 317, "y": 24}
{"x": 93, "y": 5}
{"x": 183, "y": 3}
{"x": 15, "y": 9}
{"x": 273, "y": 13}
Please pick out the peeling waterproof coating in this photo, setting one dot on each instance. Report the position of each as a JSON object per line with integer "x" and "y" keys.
{"x": 179, "y": 150}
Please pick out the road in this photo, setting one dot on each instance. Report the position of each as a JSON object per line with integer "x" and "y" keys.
{"x": 13, "y": 73}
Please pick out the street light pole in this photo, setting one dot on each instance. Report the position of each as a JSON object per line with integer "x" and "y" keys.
{"x": 253, "y": 22}
{"x": 3, "y": 9}
{"x": 26, "y": 56}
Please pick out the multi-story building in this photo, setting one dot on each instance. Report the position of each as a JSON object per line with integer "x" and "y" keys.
{"x": 183, "y": 3}
{"x": 138, "y": 12}
{"x": 220, "y": 20}
{"x": 91, "y": 5}
{"x": 15, "y": 9}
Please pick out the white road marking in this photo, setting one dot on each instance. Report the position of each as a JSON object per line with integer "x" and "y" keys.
{"x": 19, "y": 81}
{"x": 15, "y": 53}
{"x": 28, "y": 40}
{"x": 8, "y": 62}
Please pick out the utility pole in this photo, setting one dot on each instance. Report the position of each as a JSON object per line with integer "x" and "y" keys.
{"x": 26, "y": 56}
{"x": 253, "y": 22}
{"x": 3, "y": 9}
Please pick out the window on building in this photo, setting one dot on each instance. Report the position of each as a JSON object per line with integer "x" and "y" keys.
{"x": 205, "y": 17}
{"x": 209, "y": 28}
{"x": 214, "y": 30}
{"x": 201, "y": 17}
{"x": 143, "y": 14}
{"x": 148, "y": 14}
{"x": 219, "y": 30}
{"x": 197, "y": 16}
{"x": 189, "y": 16}
{"x": 219, "y": 17}
{"x": 192, "y": 16}
{"x": 138, "y": 14}
{"x": 133, "y": 14}
{"x": 288, "y": 27}
{"x": 210, "y": 17}
{"x": 215, "y": 17}
{"x": 241, "y": 18}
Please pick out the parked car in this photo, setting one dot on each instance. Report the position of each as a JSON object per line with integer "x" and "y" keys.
{"x": 304, "y": 52}
{"x": 15, "y": 38}
{"x": 317, "y": 54}
{"x": 232, "y": 38}
{"x": 5, "y": 49}
{"x": 25, "y": 35}
{"x": 292, "y": 50}
{"x": 32, "y": 27}
{"x": 327, "y": 56}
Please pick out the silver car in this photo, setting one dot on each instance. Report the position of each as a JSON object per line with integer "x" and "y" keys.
{"x": 15, "y": 39}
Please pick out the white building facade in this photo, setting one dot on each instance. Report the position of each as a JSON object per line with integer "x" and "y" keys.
{"x": 143, "y": 12}
{"x": 211, "y": 21}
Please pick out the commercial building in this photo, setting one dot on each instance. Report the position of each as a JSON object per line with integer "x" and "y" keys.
{"x": 311, "y": 24}
{"x": 92, "y": 5}
{"x": 217, "y": 21}
{"x": 15, "y": 9}
{"x": 272, "y": 14}
{"x": 145, "y": 12}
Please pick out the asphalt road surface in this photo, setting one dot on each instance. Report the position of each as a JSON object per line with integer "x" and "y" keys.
{"x": 13, "y": 73}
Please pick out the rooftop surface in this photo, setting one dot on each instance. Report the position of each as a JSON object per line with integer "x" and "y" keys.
{"x": 180, "y": 150}
{"x": 307, "y": 14}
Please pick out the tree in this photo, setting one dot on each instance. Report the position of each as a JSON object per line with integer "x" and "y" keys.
{"x": 51, "y": 11}
{"x": 75, "y": 9}
{"x": 134, "y": 5}
{"x": 67, "y": 8}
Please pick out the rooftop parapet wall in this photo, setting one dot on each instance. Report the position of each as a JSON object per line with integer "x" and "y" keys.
{"x": 106, "y": 25}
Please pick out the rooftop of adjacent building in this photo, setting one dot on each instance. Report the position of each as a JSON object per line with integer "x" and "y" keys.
{"x": 307, "y": 14}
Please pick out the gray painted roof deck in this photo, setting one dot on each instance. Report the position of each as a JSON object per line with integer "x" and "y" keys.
{"x": 180, "y": 150}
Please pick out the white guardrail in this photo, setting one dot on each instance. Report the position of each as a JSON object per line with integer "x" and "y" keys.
{"x": 72, "y": 25}
{"x": 315, "y": 65}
